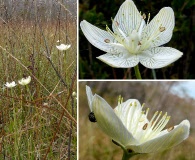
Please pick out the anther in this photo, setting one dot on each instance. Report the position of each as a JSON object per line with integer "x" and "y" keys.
{"x": 170, "y": 129}
{"x": 145, "y": 126}
{"x": 107, "y": 40}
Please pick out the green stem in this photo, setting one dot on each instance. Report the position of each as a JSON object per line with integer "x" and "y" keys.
{"x": 137, "y": 72}
{"x": 154, "y": 73}
{"x": 126, "y": 155}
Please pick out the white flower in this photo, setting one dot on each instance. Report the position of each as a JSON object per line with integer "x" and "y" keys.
{"x": 63, "y": 47}
{"x": 25, "y": 81}
{"x": 128, "y": 125}
{"x": 10, "y": 85}
{"x": 133, "y": 40}
{"x": 74, "y": 94}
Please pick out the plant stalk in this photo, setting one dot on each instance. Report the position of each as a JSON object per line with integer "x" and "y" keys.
{"x": 137, "y": 72}
{"x": 126, "y": 155}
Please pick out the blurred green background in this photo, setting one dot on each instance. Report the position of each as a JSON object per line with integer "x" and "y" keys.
{"x": 158, "y": 96}
{"x": 99, "y": 13}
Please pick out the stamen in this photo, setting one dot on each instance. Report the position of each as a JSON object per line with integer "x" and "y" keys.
{"x": 140, "y": 29}
{"x": 163, "y": 122}
{"x": 107, "y": 40}
{"x": 141, "y": 119}
{"x": 160, "y": 123}
{"x": 113, "y": 34}
{"x": 109, "y": 31}
{"x": 133, "y": 108}
{"x": 148, "y": 18}
{"x": 155, "y": 114}
{"x": 147, "y": 111}
{"x": 154, "y": 122}
{"x": 170, "y": 129}
{"x": 144, "y": 16}
{"x": 120, "y": 99}
{"x": 148, "y": 130}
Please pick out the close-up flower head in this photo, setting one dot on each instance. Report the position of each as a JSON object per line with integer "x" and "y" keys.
{"x": 25, "y": 81}
{"x": 134, "y": 39}
{"x": 129, "y": 127}
{"x": 11, "y": 84}
{"x": 63, "y": 47}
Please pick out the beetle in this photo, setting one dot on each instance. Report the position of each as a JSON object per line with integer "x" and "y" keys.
{"x": 92, "y": 117}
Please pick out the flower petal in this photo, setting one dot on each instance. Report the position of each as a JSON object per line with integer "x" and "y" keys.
{"x": 89, "y": 97}
{"x": 110, "y": 123}
{"x": 98, "y": 37}
{"x": 128, "y": 18}
{"x": 152, "y": 32}
{"x": 166, "y": 141}
{"x": 159, "y": 57}
{"x": 121, "y": 60}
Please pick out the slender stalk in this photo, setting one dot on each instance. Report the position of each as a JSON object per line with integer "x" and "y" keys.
{"x": 126, "y": 155}
{"x": 137, "y": 72}
{"x": 153, "y": 73}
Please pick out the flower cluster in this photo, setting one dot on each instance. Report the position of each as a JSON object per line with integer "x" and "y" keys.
{"x": 23, "y": 81}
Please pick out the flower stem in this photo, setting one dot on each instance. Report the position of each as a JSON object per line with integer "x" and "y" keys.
{"x": 137, "y": 72}
{"x": 154, "y": 73}
{"x": 126, "y": 155}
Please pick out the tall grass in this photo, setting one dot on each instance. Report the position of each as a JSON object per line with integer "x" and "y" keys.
{"x": 38, "y": 121}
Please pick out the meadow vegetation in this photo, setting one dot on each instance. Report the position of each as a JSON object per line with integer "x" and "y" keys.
{"x": 96, "y": 145}
{"x": 38, "y": 120}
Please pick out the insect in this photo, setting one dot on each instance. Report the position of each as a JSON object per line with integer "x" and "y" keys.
{"x": 92, "y": 117}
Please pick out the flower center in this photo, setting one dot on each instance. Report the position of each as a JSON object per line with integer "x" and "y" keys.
{"x": 134, "y": 42}
{"x": 137, "y": 123}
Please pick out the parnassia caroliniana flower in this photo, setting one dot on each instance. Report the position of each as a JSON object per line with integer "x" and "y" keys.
{"x": 25, "y": 81}
{"x": 63, "y": 47}
{"x": 133, "y": 40}
{"x": 129, "y": 127}
{"x": 74, "y": 94}
{"x": 10, "y": 85}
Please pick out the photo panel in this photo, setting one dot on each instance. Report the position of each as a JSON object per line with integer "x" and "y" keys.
{"x": 138, "y": 119}
{"x": 136, "y": 39}
{"x": 38, "y": 79}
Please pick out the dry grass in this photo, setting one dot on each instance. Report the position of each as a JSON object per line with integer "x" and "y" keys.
{"x": 95, "y": 145}
{"x": 38, "y": 121}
